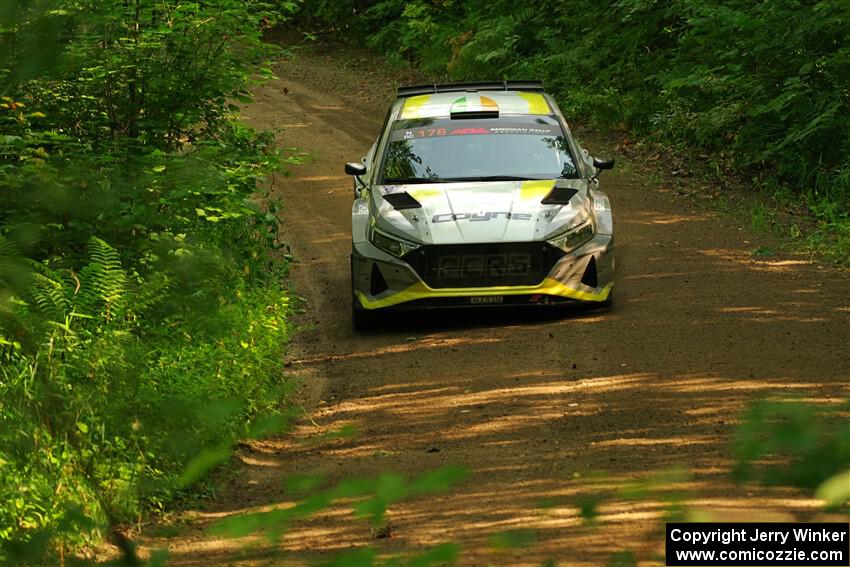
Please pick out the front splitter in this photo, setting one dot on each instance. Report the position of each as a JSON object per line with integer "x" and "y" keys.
{"x": 550, "y": 288}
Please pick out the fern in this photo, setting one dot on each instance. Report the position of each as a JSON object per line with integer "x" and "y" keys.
{"x": 98, "y": 292}
{"x": 49, "y": 295}
{"x": 103, "y": 282}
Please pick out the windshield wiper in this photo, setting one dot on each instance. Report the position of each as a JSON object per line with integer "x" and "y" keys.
{"x": 412, "y": 180}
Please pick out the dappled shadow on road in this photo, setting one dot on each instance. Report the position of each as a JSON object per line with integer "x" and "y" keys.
{"x": 551, "y": 409}
{"x": 536, "y": 442}
{"x": 547, "y": 408}
{"x": 540, "y": 428}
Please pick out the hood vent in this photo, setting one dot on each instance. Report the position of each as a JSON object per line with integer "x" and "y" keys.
{"x": 401, "y": 201}
{"x": 559, "y": 196}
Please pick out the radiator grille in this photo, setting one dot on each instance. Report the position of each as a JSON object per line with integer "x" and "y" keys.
{"x": 483, "y": 265}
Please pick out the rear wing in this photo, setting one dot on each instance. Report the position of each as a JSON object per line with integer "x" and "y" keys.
{"x": 413, "y": 90}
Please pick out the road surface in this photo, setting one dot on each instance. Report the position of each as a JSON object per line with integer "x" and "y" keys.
{"x": 544, "y": 409}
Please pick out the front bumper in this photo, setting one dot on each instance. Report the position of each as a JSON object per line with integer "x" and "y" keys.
{"x": 380, "y": 281}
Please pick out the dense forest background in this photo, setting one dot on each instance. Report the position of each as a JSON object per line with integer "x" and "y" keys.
{"x": 758, "y": 90}
{"x": 142, "y": 309}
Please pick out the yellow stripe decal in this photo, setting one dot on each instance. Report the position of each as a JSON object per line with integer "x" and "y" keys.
{"x": 424, "y": 194}
{"x": 413, "y": 106}
{"x": 536, "y": 103}
{"x": 535, "y": 190}
{"x": 421, "y": 291}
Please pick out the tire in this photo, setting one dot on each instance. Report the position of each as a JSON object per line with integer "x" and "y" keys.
{"x": 362, "y": 319}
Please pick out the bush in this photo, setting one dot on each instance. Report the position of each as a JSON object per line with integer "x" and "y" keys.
{"x": 141, "y": 311}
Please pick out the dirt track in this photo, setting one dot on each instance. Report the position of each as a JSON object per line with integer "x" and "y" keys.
{"x": 533, "y": 404}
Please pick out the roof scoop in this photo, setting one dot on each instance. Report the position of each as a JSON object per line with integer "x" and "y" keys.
{"x": 474, "y": 106}
{"x": 559, "y": 195}
{"x": 401, "y": 201}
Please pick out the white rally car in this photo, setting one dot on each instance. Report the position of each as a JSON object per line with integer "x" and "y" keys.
{"x": 477, "y": 194}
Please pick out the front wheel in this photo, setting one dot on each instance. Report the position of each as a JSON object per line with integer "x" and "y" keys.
{"x": 362, "y": 319}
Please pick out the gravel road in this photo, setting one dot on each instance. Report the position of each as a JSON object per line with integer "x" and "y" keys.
{"x": 544, "y": 409}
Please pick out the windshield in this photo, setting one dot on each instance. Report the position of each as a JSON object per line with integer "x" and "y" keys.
{"x": 477, "y": 149}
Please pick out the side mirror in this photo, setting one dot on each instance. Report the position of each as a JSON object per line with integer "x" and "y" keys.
{"x": 353, "y": 168}
{"x": 603, "y": 163}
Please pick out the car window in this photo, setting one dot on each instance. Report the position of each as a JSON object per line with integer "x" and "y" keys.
{"x": 434, "y": 149}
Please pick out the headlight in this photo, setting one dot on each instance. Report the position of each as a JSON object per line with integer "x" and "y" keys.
{"x": 575, "y": 237}
{"x": 391, "y": 244}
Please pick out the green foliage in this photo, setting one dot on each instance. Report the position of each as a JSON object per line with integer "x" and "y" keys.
{"x": 444, "y": 554}
{"x": 126, "y": 57}
{"x": 836, "y": 489}
{"x": 105, "y": 416}
{"x": 369, "y": 498}
{"x": 373, "y": 496}
{"x": 513, "y": 538}
{"x": 141, "y": 315}
{"x": 793, "y": 443}
{"x": 730, "y": 79}
{"x": 622, "y": 559}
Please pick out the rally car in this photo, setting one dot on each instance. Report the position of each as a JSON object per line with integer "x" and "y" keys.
{"x": 477, "y": 194}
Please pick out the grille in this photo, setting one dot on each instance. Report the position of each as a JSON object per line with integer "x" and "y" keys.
{"x": 483, "y": 265}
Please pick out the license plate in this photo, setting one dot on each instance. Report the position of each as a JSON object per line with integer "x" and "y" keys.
{"x": 486, "y": 299}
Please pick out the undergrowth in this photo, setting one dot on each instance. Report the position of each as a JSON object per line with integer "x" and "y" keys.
{"x": 143, "y": 310}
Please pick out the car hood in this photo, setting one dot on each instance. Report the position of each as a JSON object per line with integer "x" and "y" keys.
{"x": 479, "y": 212}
